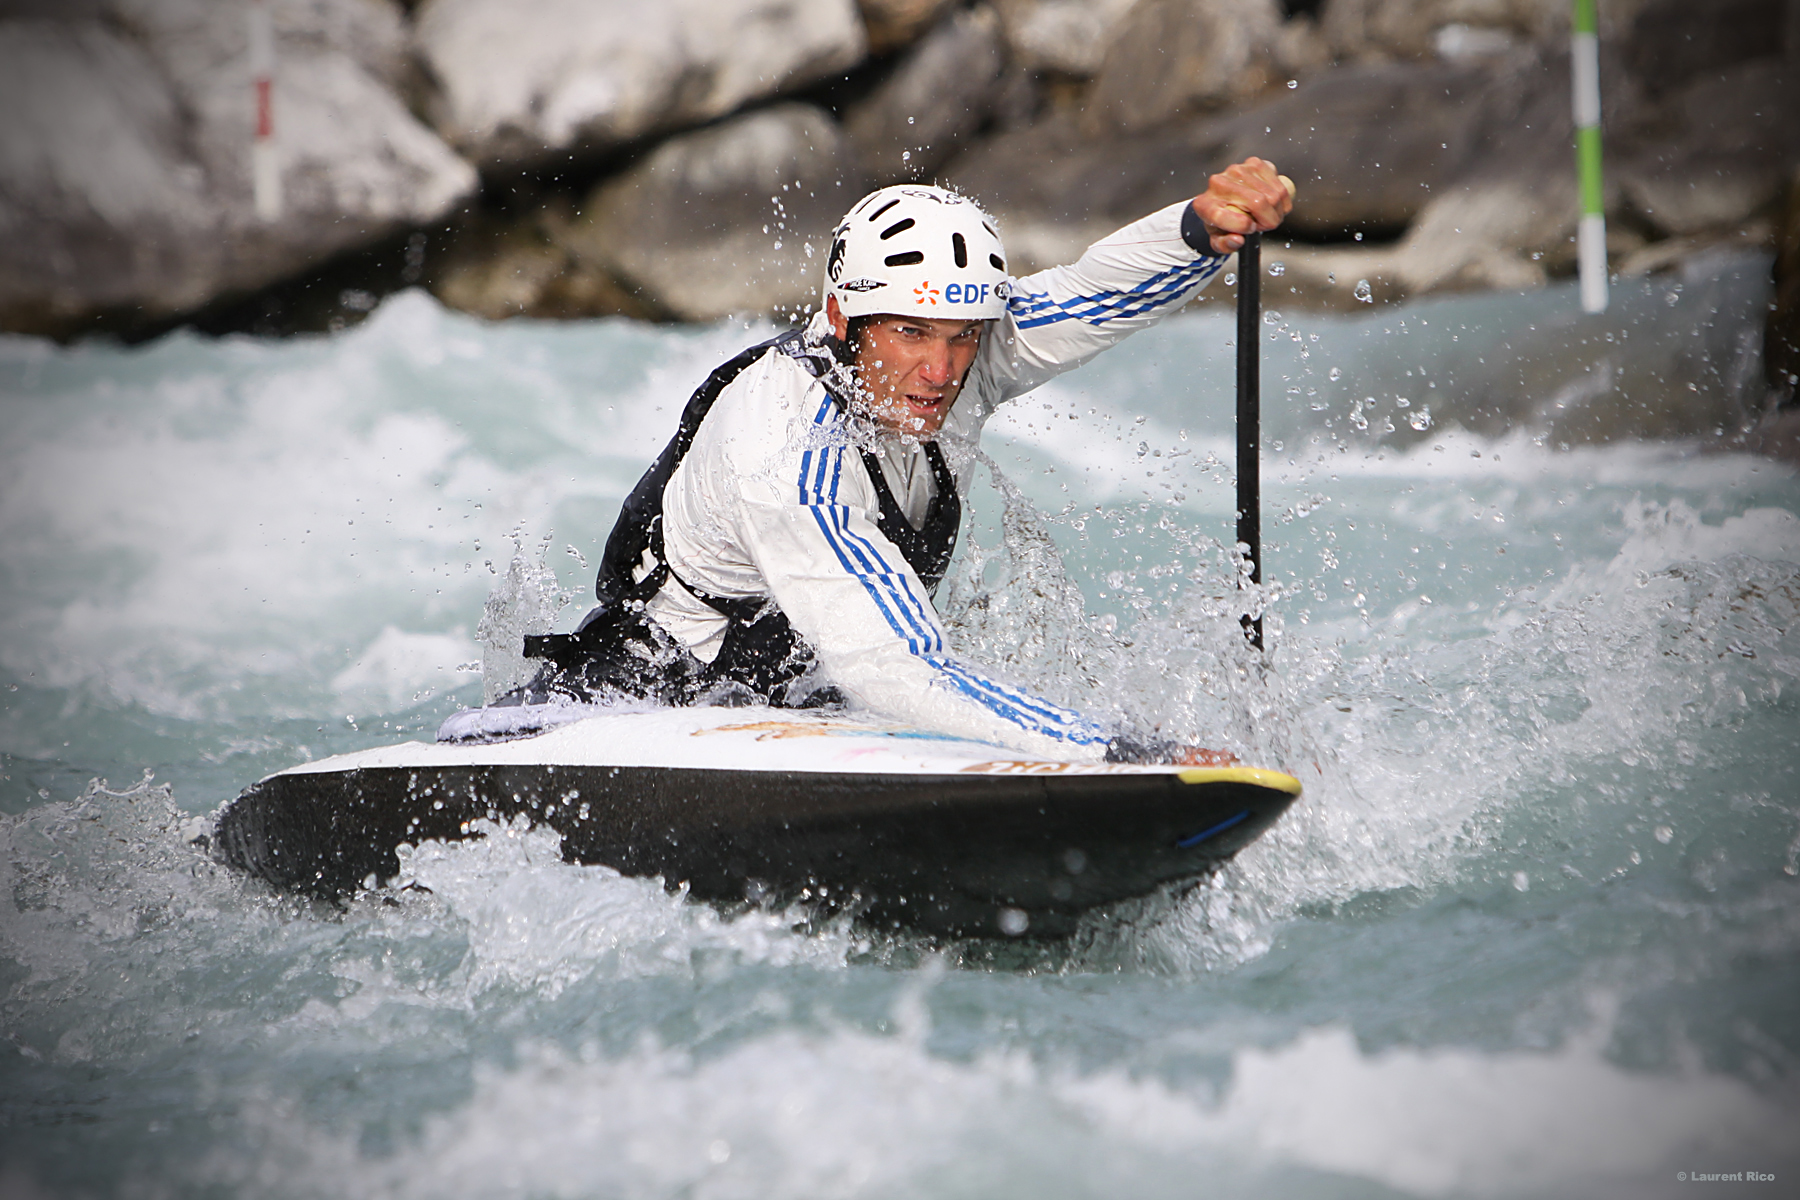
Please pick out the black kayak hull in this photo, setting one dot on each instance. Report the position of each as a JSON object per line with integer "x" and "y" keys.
{"x": 953, "y": 854}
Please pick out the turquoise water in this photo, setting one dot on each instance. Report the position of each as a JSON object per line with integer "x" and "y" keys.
{"x": 1532, "y": 931}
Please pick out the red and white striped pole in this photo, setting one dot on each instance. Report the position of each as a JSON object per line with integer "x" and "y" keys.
{"x": 265, "y": 168}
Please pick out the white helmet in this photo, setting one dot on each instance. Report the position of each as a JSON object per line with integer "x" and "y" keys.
{"x": 917, "y": 250}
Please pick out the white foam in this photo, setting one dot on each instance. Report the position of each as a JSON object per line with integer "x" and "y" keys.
{"x": 844, "y": 1111}
{"x": 400, "y": 669}
{"x": 537, "y": 923}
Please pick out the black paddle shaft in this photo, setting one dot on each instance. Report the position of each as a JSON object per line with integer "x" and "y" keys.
{"x": 1249, "y": 416}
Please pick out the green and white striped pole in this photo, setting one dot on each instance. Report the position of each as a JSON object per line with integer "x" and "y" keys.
{"x": 1590, "y": 241}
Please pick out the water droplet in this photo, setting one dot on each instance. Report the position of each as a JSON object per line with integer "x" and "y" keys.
{"x": 1334, "y": 374}
{"x": 1364, "y": 293}
{"x": 1420, "y": 420}
{"x": 1521, "y": 881}
{"x": 1277, "y": 268}
{"x": 1013, "y": 921}
{"x": 1292, "y": 84}
{"x": 1664, "y": 834}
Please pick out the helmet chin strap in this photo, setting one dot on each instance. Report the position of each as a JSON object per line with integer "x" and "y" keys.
{"x": 842, "y": 351}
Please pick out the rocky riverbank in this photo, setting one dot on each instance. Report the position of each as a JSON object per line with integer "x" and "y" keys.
{"x": 568, "y": 158}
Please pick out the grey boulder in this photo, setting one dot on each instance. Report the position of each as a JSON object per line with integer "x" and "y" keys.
{"x": 1066, "y": 37}
{"x": 937, "y": 97}
{"x": 892, "y": 24}
{"x": 523, "y": 82}
{"x": 1724, "y": 151}
{"x": 731, "y": 219}
{"x": 1369, "y": 145}
{"x": 1169, "y": 57}
{"x": 126, "y": 181}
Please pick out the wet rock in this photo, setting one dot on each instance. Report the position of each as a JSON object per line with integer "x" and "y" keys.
{"x": 1369, "y": 145}
{"x": 1725, "y": 151}
{"x": 1300, "y": 48}
{"x": 892, "y": 24}
{"x": 127, "y": 185}
{"x": 497, "y": 268}
{"x": 1488, "y": 233}
{"x": 1674, "y": 41}
{"x": 1170, "y": 57}
{"x": 730, "y": 219}
{"x": 98, "y": 196}
{"x": 937, "y": 97}
{"x": 1376, "y": 30}
{"x": 1068, "y": 37}
{"x": 527, "y": 82}
{"x": 1054, "y": 190}
{"x": 1509, "y": 220}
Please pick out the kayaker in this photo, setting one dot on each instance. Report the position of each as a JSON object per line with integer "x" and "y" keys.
{"x": 786, "y": 544}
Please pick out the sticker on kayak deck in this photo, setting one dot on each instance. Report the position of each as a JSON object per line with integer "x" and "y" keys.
{"x": 767, "y": 730}
{"x": 1012, "y": 767}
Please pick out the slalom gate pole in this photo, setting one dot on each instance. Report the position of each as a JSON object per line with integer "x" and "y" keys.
{"x": 265, "y": 167}
{"x": 1584, "y": 51}
{"x": 1249, "y": 416}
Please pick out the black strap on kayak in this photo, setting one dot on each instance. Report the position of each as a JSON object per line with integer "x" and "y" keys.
{"x": 1249, "y": 417}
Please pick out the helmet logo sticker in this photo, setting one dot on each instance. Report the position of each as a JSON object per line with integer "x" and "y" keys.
{"x": 834, "y": 265}
{"x": 863, "y": 285}
{"x": 926, "y": 293}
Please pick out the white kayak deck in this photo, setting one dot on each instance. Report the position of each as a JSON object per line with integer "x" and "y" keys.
{"x": 739, "y": 739}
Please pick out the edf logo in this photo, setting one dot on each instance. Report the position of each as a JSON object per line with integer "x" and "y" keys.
{"x": 966, "y": 293}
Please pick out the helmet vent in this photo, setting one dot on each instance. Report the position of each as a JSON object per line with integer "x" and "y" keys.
{"x": 905, "y": 259}
{"x": 999, "y": 263}
{"x": 960, "y": 249}
{"x": 876, "y": 215}
{"x": 897, "y": 227}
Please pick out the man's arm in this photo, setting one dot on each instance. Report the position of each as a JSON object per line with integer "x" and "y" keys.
{"x": 1059, "y": 318}
{"x": 851, "y": 594}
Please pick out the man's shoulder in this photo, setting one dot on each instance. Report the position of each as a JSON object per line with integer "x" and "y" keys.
{"x": 778, "y": 381}
{"x": 771, "y": 411}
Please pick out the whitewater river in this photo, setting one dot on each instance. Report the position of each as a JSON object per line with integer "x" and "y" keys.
{"x": 1533, "y": 930}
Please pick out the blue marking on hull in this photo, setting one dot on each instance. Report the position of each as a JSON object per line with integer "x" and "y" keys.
{"x": 1187, "y": 843}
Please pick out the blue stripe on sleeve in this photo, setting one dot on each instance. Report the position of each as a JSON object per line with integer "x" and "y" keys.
{"x": 908, "y": 615}
{"x": 1026, "y": 711}
{"x": 1033, "y": 309}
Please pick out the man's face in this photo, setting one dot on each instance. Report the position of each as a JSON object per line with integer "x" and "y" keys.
{"x": 913, "y": 368}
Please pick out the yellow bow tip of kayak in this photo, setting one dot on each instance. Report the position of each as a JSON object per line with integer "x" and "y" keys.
{"x": 1256, "y": 776}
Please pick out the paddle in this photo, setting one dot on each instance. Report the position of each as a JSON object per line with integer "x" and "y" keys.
{"x": 1249, "y": 416}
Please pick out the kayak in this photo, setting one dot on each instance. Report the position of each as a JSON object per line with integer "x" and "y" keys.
{"x": 906, "y": 828}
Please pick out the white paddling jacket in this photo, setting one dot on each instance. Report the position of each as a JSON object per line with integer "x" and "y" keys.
{"x": 773, "y": 498}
